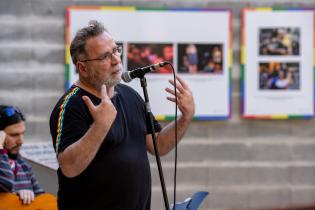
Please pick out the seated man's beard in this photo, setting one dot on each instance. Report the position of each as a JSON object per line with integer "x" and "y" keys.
{"x": 12, "y": 156}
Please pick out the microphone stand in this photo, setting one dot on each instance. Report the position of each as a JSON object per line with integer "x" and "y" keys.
{"x": 149, "y": 116}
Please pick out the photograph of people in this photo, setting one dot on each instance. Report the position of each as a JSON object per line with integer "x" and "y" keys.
{"x": 140, "y": 55}
{"x": 279, "y": 76}
{"x": 200, "y": 58}
{"x": 279, "y": 41}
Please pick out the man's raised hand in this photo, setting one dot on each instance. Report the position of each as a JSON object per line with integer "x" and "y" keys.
{"x": 104, "y": 113}
{"x": 185, "y": 98}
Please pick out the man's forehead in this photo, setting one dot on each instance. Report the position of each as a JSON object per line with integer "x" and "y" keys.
{"x": 104, "y": 40}
{"x": 17, "y": 127}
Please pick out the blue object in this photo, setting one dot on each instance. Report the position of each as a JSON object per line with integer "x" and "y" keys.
{"x": 191, "y": 203}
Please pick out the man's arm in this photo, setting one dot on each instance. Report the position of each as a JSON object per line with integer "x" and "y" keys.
{"x": 166, "y": 137}
{"x": 76, "y": 157}
{"x": 6, "y": 174}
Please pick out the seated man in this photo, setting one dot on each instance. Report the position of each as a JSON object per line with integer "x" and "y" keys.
{"x": 16, "y": 175}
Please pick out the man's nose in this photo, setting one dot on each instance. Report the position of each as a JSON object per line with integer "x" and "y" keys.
{"x": 20, "y": 139}
{"x": 115, "y": 59}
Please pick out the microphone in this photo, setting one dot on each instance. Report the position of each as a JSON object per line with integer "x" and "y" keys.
{"x": 140, "y": 72}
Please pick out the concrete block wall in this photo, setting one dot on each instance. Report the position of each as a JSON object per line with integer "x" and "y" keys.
{"x": 242, "y": 163}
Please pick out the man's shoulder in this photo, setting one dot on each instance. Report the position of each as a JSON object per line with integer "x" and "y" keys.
{"x": 71, "y": 99}
{"x": 72, "y": 95}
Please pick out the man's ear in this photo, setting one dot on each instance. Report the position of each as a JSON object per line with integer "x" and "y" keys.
{"x": 81, "y": 67}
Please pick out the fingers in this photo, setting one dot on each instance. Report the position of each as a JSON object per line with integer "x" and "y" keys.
{"x": 22, "y": 195}
{"x": 179, "y": 87}
{"x": 180, "y": 83}
{"x": 171, "y": 99}
{"x": 32, "y": 196}
{"x": 26, "y": 199}
{"x": 183, "y": 97}
{"x": 27, "y": 196}
{"x": 171, "y": 91}
{"x": 104, "y": 95}
{"x": 90, "y": 104}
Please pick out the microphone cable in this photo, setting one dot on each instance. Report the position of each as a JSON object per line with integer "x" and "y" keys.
{"x": 176, "y": 137}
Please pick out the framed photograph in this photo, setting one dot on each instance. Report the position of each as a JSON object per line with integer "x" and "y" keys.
{"x": 146, "y": 54}
{"x": 277, "y": 63}
{"x": 279, "y": 76}
{"x": 200, "y": 58}
{"x": 150, "y": 36}
{"x": 282, "y": 41}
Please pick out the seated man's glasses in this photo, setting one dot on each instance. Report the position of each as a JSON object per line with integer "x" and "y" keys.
{"x": 117, "y": 51}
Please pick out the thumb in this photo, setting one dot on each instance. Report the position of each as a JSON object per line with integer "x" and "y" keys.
{"x": 88, "y": 103}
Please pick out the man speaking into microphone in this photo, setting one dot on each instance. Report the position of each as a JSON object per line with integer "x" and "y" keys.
{"x": 100, "y": 133}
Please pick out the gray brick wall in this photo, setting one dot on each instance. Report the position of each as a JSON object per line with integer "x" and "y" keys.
{"x": 242, "y": 163}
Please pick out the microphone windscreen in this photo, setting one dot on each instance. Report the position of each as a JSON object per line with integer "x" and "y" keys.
{"x": 126, "y": 77}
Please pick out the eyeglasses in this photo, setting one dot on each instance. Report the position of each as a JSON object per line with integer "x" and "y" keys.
{"x": 117, "y": 51}
{"x": 10, "y": 111}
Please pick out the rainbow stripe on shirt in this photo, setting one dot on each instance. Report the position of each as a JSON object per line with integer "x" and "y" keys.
{"x": 62, "y": 112}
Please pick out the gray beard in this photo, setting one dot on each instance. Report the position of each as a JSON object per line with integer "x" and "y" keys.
{"x": 112, "y": 83}
{"x": 97, "y": 84}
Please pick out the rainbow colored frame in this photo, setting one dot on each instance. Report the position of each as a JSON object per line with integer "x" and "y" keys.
{"x": 130, "y": 8}
{"x": 243, "y": 67}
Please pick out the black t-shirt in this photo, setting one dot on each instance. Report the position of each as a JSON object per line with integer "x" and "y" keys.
{"x": 119, "y": 177}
